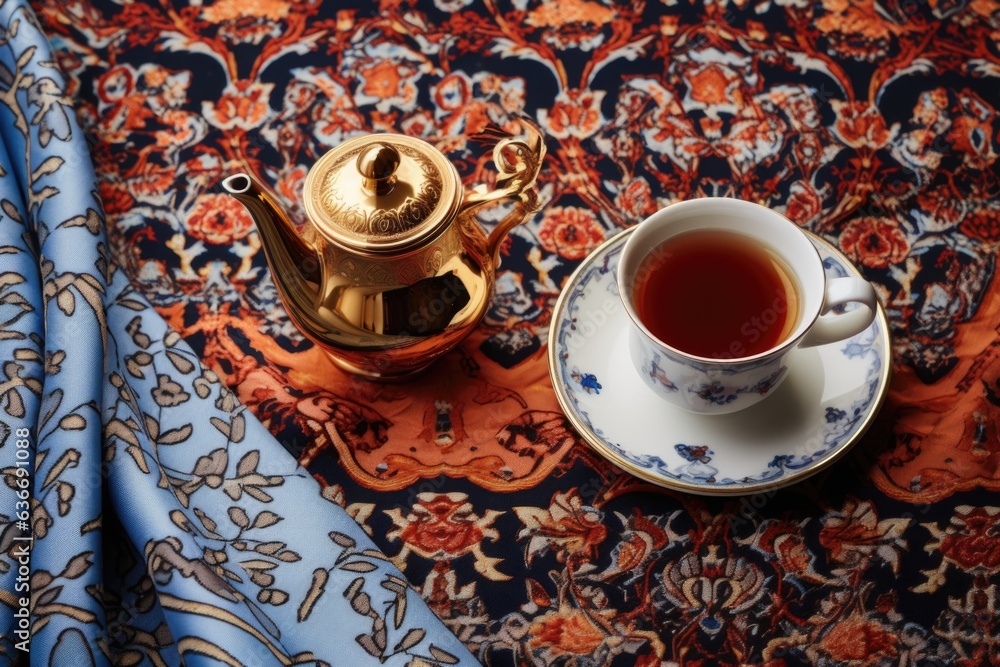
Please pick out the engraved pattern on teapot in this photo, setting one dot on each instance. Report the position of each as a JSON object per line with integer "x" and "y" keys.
{"x": 387, "y": 224}
{"x": 359, "y": 270}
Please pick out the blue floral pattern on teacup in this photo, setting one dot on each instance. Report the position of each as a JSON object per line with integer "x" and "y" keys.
{"x": 703, "y": 387}
{"x": 655, "y": 374}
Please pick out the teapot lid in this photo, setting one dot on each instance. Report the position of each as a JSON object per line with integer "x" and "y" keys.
{"x": 381, "y": 193}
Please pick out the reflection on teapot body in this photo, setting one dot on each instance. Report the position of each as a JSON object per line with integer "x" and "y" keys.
{"x": 425, "y": 308}
{"x": 392, "y": 269}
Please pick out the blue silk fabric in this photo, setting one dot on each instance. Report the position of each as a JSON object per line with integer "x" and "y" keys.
{"x": 141, "y": 460}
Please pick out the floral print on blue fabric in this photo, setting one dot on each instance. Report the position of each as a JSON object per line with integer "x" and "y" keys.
{"x": 166, "y": 524}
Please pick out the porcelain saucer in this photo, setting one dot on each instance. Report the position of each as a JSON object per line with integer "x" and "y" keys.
{"x": 824, "y": 406}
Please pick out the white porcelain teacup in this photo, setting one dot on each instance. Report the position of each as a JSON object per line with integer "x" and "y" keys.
{"x": 707, "y": 249}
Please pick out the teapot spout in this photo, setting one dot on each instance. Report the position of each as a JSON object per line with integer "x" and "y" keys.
{"x": 295, "y": 264}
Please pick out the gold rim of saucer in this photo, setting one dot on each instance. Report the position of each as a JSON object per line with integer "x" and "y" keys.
{"x": 598, "y": 445}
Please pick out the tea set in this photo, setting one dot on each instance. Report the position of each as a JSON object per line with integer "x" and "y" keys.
{"x": 392, "y": 270}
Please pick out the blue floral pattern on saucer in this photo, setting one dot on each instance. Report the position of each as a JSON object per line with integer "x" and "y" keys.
{"x": 816, "y": 414}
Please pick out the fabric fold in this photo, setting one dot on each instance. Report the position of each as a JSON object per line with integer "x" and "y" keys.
{"x": 168, "y": 525}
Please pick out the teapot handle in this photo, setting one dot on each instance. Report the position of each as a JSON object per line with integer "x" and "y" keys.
{"x": 518, "y": 159}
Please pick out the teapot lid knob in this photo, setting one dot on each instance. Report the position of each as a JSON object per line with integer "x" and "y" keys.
{"x": 377, "y": 164}
{"x": 382, "y": 193}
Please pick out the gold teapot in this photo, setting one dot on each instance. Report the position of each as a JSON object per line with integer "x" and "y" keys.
{"x": 392, "y": 269}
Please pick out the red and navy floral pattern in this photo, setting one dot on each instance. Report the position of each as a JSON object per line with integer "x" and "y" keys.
{"x": 873, "y": 123}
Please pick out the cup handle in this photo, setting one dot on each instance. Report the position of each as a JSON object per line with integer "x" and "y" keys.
{"x": 830, "y": 327}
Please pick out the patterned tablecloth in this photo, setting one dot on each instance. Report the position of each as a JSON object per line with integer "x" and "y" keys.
{"x": 873, "y": 124}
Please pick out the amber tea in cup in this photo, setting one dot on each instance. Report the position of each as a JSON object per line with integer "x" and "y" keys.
{"x": 719, "y": 292}
{"x": 739, "y": 298}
